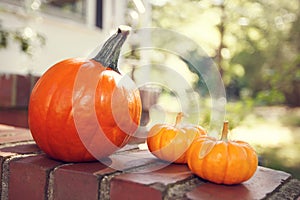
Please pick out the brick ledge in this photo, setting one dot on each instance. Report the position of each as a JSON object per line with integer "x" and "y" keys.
{"x": 27, "y": 172}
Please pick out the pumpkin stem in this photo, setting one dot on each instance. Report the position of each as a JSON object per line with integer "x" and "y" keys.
{"x": 224, "y": 136}
{"x": 109, "y": 54}
{"x": 178, "y": 118}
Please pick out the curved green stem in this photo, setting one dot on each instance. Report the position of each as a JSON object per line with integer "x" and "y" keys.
{"x": 109, "y": 54}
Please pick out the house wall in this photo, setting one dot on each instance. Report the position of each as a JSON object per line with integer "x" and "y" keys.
{"x": 64, "y": 38}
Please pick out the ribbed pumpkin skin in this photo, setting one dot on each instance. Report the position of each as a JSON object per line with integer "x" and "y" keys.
{"x": 228, "y": 162}
{"x": 170, "y": 143}
{"x": 64, "y": 110}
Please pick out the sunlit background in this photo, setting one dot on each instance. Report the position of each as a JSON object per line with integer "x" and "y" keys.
{"x": 255, "y": 45}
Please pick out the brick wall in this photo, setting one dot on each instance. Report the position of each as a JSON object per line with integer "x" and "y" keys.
{"x": 27, "y": 173}
{"x": 14, "y": 96}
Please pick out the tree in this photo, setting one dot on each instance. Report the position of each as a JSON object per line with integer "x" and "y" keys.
{"x": 254, "y": 43}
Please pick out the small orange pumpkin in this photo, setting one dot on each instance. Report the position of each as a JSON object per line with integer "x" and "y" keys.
{"x": 171, "y": 142}
{"x": 222, "y": 161}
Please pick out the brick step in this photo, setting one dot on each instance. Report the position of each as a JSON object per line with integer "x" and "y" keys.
{"x": 14, "y": 116}
{"x": 131, "y": 173}
{"x": 14, "y": 97}
{"x": 15, "y": 89}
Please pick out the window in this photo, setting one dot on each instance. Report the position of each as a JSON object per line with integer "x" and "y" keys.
{"x": 82, "y": 11}
{"x": 71, "y": 9}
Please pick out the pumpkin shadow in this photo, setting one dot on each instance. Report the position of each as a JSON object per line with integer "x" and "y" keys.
{"x": 122, "y": 161}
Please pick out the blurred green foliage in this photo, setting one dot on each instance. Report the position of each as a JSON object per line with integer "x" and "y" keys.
{"x": 26, "y": 38}
{"x": 256, "y": 44}
{"x": 269, "y": 97}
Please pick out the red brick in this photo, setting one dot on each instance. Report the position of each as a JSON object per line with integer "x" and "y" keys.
{"x": 77, "y": 181}
{"x": 147, "y": 185}
{"x": 262, "y": 183}
{"x": 22, "y": 149}
{"x": 167, "y": 175}
{"x": 6, "y": 84}
{"x": 14, "y": 117}
{"x": 28, "y": 177}
{"x": 23, "y": 90}
{"x": 3, "y": 157}
{"x": 125, "y": 160}
{"x": 133, "y": 191}
{"x": 9, "y": 130}
{"x": 82, "y": 180}
{"x": 9, "y": 134}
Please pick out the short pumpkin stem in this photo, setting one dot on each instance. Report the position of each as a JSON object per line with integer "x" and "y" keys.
{"x": 109, "y": 54}
{"x": 178, "y": 118}
{"x": 224, "y": 136}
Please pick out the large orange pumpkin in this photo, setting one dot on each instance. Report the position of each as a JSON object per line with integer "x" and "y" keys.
{"x": 222, "y": 161}
{"x": 82, "y": 109}
{"x": 171, "y": 142}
